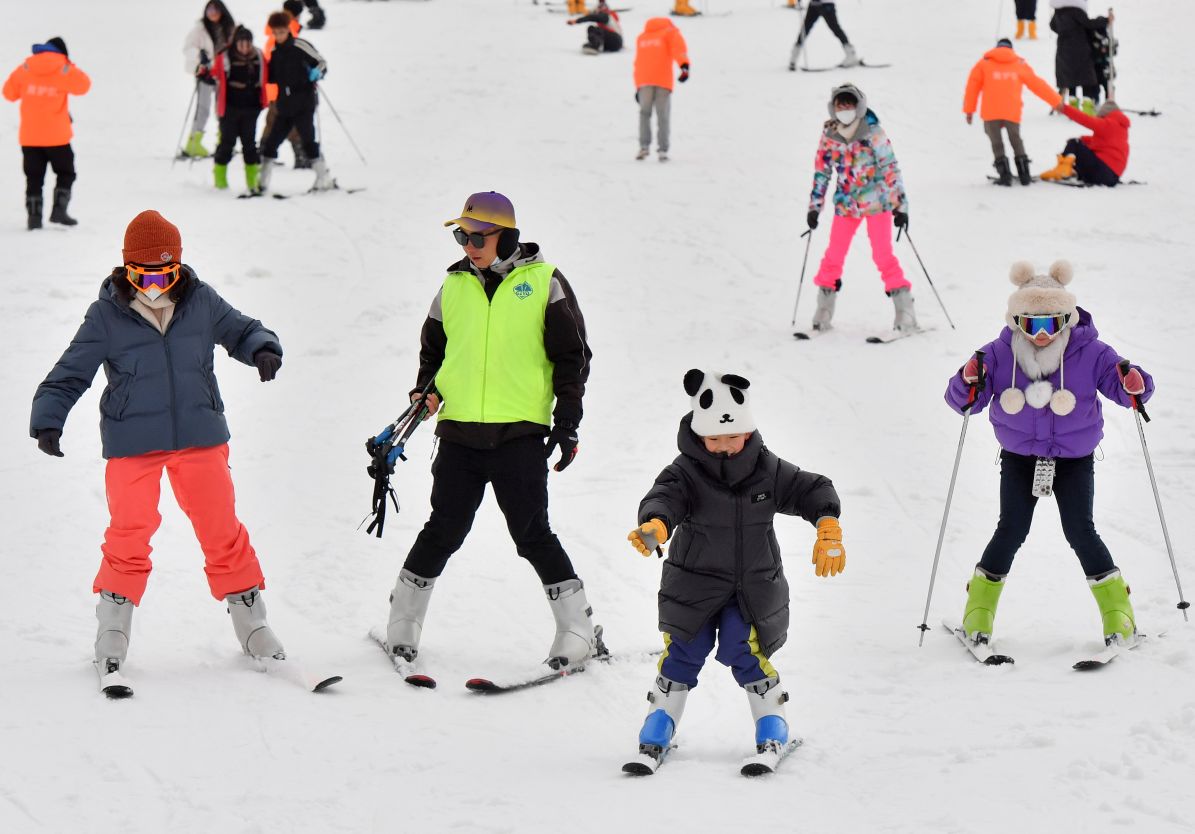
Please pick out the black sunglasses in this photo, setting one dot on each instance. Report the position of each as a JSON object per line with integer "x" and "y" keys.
{"x": 475, "y": 239}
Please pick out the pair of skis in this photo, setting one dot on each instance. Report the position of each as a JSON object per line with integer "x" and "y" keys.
{"x": 249, "y": 195}
{"x": 985, "y": 653}
{"x": 876, "y": 339}
{"x": 116, "y": 686}
{"x": 766, "y": 760}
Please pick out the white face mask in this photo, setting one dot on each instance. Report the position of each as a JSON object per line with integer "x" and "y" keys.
{"x": 845, "y": 116}
{"x": 153, "y": 293}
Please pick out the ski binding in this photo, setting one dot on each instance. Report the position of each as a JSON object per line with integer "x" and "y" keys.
{"x": 982, "y": 649}
{"x": 769, "y": 757}
{"x": 405, "y": 668}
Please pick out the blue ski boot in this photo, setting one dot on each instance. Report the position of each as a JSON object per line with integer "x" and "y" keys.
{"x": 667, "y": 699}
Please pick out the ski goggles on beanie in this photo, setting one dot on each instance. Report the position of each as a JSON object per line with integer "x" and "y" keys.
{"x": 154, "y": 280}
{"x": 1051, "y": 325}
{"x": 474, "y": 239}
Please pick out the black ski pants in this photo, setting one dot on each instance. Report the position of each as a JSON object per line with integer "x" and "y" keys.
{"x": 238, "y": 123}
{"x": 59, "y": 157}
{"x": 518, "y": 472}
{"x": 1074, "y": 490}
{"x": 303, "y": 121}
{"x": 1089, "y": 167}
{"x": 1026, "y": 9}
{"x": 827, "y": 11}
{"x": 603, "y": 40}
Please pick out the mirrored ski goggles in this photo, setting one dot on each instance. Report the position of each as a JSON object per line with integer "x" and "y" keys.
{"x": 162, "y": 278}
{"x": 474, "y": 239}
{"x": 1050, "y": 325}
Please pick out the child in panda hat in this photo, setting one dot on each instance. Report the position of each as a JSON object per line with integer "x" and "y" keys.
{"x": 1041, "y": 377}
{"x": 723, "y": 579}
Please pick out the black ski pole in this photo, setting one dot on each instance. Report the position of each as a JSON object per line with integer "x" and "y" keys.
{"x": 909, "y": 238}
{"x": 385, "y": 449}
{"x": 1142, "y": 418}
{"x": 801, "y": 282}
{"x": 977, "y": 386}
{"x": 332, "y": 107}
{"x": 186, "y": 118}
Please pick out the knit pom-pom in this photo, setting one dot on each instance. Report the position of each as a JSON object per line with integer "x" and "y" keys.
{"x": 1062, "y": 403}
{"x": 1021, "y": 273}
{"x": 1038, "y": 393}
{"x": 1012, "y": 400}
{"x": 1062, "y": 272}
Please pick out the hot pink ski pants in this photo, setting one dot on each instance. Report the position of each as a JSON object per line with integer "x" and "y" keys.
{"x": 879, "y": 232}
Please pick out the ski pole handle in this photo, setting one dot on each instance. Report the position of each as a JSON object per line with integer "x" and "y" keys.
{"x": 979, "y": 383}
{"x": 1124, "y": 367}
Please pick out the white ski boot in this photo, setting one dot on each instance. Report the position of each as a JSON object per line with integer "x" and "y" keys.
{"x": 849, "y": 57}
{"x": 408, "y": 607}
{"x": 114, "y": 614}
{"x": 667, "y": 699}
{"x": 826, "y": 299}
{"x": 248, "y": 612}
{"x": 323, "y": 178}
{"x": 906, "y": 319}
{"x": 574, "y": 642}
{"x": 772, "y": 742}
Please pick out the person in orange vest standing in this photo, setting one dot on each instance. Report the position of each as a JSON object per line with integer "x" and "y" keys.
{"x": 999, "y": 77}
{"x": 660, "y": 45}
{"x": 42, "y": 83}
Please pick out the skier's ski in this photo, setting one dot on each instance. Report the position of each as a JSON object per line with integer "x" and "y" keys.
{"x": 1077, "y": 183}
{"x": 113, "y": 684}
{"x": 860, "y": 65}
{"x": 405, "y": 668}
{"x": 291, "y": 671}
{"x": 1109, "y": 653}
{"x": 895, "y": 336}
{"x": 249, "y": 195}
{"x": 648, "y": 761}
{"x": 337, "y": 188}
{"x": 808, "y": 335}
{"x": 769, "y": 758}
{"x": 983, "y": 652}
{"x": 488, "y": 686}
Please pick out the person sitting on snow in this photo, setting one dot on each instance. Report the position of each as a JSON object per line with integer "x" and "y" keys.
{"x": 605, "y": 35}
{"x": 1098, "y": 159}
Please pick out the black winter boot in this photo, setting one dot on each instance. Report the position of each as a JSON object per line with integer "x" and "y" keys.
{"x": 62, "y": 198}
{"x": 33, "y": 207}
{"x": 1023, "y": 169}
{"x": 1004, "y": 175}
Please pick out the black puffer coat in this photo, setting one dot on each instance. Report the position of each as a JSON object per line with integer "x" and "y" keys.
{"x": 1074, "y": 63}
{"x": 719, "y": 513}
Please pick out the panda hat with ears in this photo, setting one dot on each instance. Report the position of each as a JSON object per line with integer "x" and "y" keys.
{"x": 721, "y": 404}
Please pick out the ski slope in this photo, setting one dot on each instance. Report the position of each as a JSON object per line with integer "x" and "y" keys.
{"x": 693, "y": 263}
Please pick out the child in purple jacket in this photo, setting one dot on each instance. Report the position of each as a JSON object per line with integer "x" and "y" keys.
{"x": 1041, "y": 377}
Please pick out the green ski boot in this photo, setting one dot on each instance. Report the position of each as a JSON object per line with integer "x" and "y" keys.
{"x": 979, "y": 617}
{"x": 1112, "y": 595}
{"x": 195, "y": 148}
{"x": 251, "y": 172}
{"x": 1088, "y": 106}
{"x": 220, "y": 174}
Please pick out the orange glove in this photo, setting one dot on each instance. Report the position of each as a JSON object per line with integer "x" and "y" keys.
{"x": 828, "y": 553}
{"x": 647, "y": 537}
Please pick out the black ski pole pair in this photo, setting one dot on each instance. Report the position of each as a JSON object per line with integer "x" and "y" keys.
{"x": 385, "y": 450}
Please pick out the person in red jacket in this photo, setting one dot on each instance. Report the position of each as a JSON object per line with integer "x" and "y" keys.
{"x": 42, "y": 83}
{"x": 1098, "y": 159}
{"x": 1000, "y": 77}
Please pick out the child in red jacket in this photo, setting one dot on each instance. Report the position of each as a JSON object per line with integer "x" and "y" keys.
{"x": 1098, "y": 159}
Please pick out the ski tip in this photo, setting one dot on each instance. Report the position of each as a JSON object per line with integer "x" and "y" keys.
{"x": 1087, "y": 665}
{"x": 874, "y": 340}
{"x": 481, "y": 685}
{"x": 118, "y": 692}
{"x": 326, "y": 682}
{"x": 801, "y": 336}
{"x": 637, "y": 769}
{"x": 756, "y": 769}
{"x": 998, "y": 660}
{"x": 421, "y": 681}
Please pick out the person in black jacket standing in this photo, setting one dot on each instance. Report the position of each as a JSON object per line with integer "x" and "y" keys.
{"x": 1074, "y": 62}
{"x": 723, "y": 580}
{"x": 295, "y": 66}
{"x": 240, "y": 75}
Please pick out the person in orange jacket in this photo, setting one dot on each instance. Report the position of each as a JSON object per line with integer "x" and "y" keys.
{"x": 999, "y": 76}
{"x": 42, "y": 83}
{"x": 660, "y": 45}
{"x": 294, "y": 8}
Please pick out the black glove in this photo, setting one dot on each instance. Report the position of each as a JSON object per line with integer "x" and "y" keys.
{"x": 47, "y": 441}
{"x": 636, "y": 96}
{"x": 684, "y": 73}
{"x": 811, "y": 219}
{"x": 267, "y": 363}
{"x": 564, "y": 436}
{"x": 900, "y": 219}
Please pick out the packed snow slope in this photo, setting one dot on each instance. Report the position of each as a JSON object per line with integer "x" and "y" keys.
{"x": 690, "y": 264}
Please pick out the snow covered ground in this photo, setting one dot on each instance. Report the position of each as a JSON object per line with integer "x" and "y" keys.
{"x": 693, "y": 263}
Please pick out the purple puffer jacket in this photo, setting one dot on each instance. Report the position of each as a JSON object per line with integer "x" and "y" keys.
{"x": 1089, "y": 365}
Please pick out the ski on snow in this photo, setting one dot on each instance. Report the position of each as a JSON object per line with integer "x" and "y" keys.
{"x": 249, "y": 195}
{"x": 982, "y": 651}
{"x": 876, "y": 339}
{"x": 769, "y": 758}
{"x": 1109, "y": 653}
{"x": 405, "y": 668}
{"x": 1069, "y": 183}
{"x": 281, "y": 667}
{"x": 113, "y": 684}
{"x": 649, "y": 760}
{"x": 860, "y": 65}
{"x": 488, "y": 686}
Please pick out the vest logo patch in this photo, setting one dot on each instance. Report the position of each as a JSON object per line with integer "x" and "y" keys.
{"x": 523, "y": 290}
{"x": 760, "y": 497}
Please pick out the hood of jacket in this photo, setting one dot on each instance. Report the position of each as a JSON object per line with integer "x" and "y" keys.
{"x": 861, "y": 107}
{"x": 1002, "y": 55}
{"x": 657, "y": 24}
{"x": 731, "y": 471}
{"x": 524, "y": 255}
{"x": 46, "y": 63}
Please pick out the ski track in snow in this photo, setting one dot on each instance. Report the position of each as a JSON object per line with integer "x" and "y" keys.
{"x": 693, "y": 263}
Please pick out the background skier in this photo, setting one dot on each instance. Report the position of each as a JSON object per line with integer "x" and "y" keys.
{"x": 1026, "y": 19}
{"x": 1098, "y": 159}
{"x": 605, "y": 35}
{"x": 817, "y": 10}
{"x": 1074, "y": 61}
{"x": 659, "y": 47}
{"x": 42, "y": 83}
{"x": 240, "y": 75}
{"x": 210, "y": 35}
{"x": 294, "y": 8}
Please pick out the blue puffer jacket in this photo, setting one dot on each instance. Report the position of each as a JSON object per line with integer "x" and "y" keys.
{"x": 161, "y": 393}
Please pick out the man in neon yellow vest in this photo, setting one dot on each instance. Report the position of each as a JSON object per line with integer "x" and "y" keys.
{"x": 505, "y": 343}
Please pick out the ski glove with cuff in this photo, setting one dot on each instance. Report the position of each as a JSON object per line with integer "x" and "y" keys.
{"x": 828, "y": 553}
{"x": 900, "y": 219}
{"x": 564, "y": 436}
{"x": 684, "y": 73}
{"x": 811, "y": 219}
{"x": 647, "y": 537}
{"x": 267, "y": 363}
{"x": 47, "y": 441}
{"x": 315, "y": 74}
{"x": 971, "y": 371}
{"x": 1133, "y": 382}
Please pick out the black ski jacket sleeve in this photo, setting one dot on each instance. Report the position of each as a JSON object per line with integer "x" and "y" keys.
{"x": 807, "y": 494}
{"x": 600, "y": 18}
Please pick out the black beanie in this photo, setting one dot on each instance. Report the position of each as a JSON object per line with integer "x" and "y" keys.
{"x": 59, "y": 44}
{"x": 295, "y": 7}
{"x": 242, "y": 34}
{"x": 1004, "y": 42}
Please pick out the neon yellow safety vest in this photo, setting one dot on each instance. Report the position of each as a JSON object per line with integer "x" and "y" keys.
{"x": 495, "y": 368}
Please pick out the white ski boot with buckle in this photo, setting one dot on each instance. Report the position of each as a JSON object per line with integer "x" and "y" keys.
{"x": 826, "y": 298}
{"x": 248, "y": 612}
{"x": 905, "y": 320}
{"x": 667, "y": 699}
{"x": 575, "y": 641}
{"x": 849, "y": 57}
{"x": 408, "y": 607}
{"x": 115, "y": 616}
{"x": 323, "y": 177}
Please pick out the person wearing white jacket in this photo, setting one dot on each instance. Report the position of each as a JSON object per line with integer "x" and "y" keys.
{"x": 210, "y": 35}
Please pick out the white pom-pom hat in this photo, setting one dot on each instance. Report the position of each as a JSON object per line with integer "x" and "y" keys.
{"x": 1040, "y": 295}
